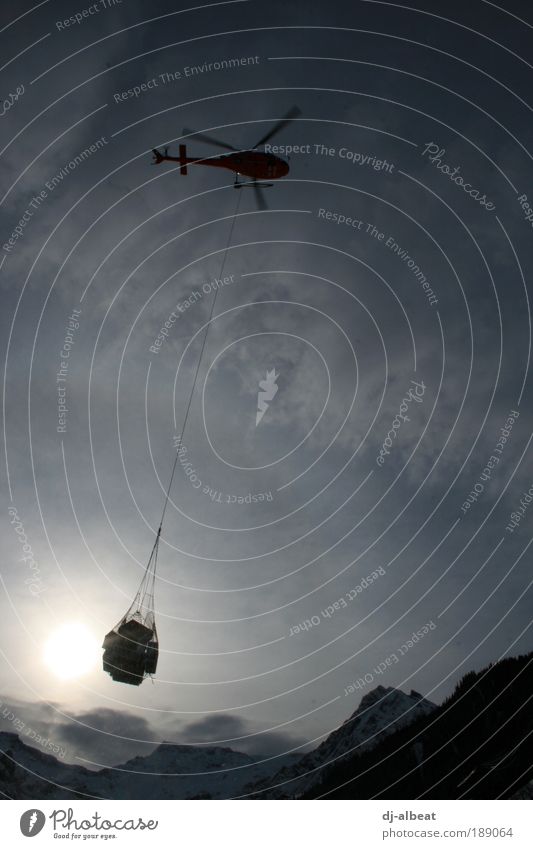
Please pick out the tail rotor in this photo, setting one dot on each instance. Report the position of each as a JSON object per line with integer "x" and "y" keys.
{"x": 164, "y": 157}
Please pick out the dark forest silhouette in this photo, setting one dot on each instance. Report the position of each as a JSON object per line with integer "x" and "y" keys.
{"x": 476, "y": 745}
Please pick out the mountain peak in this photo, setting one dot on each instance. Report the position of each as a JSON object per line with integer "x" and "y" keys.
{"x": 380, "y": 712}
{"x": 389, "y": 699}
{"x": 372, "y": 697}
{"x": 180, "y": 759}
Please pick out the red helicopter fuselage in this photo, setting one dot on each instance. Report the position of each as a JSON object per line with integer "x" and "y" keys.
{"x": 254, "y": 164}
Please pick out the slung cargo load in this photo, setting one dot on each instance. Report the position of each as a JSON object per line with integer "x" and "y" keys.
{"x": 131, "y": 649}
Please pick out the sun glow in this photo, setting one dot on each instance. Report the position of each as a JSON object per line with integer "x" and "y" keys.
{"x": 71, "y": 651}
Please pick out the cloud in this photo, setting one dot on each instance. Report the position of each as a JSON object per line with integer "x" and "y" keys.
{"x": 102, "y": 735}
{"x": 227, "y": 729}
{"x": 108, "y": 737}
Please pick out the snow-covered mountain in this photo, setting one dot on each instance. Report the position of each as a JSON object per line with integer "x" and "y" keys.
{"x": 381, "y": 712}
{"x": 186, "y": 772}
{"x": 173, "y": 771}
{"x": 170, "y": 772}
{"x": 28, "y": 773}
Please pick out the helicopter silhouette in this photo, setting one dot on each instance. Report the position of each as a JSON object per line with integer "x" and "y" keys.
{"x": 259, "y": 166}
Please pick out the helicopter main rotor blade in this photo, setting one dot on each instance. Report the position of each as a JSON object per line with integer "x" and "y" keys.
{"x": 208, "y": 139}
{"x": 292, "y": 113}
{"x": 260, "y": 197}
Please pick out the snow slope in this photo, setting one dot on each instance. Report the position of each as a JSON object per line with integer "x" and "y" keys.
{"x": 169, "y": 772}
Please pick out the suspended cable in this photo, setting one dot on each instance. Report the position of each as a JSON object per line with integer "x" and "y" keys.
{"x": 193, "y": 387}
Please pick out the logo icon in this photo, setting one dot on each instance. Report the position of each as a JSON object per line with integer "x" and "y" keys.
{"x": 32, "y": 822}
{"x": 269, "y": 388}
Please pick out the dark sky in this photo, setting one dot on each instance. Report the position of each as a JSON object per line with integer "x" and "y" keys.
{"x": 405, "y": 331}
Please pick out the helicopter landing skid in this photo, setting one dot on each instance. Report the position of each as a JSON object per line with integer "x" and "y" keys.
{"x": 253, "y": 185}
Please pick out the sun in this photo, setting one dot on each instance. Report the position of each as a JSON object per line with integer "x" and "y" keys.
{"x": 71, "y": 651}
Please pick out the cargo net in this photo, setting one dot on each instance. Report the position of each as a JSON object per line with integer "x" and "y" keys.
{"x": 131, "y": 649}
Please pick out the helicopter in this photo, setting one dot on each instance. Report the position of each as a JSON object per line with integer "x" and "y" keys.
{"x": 259, "y": 166}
